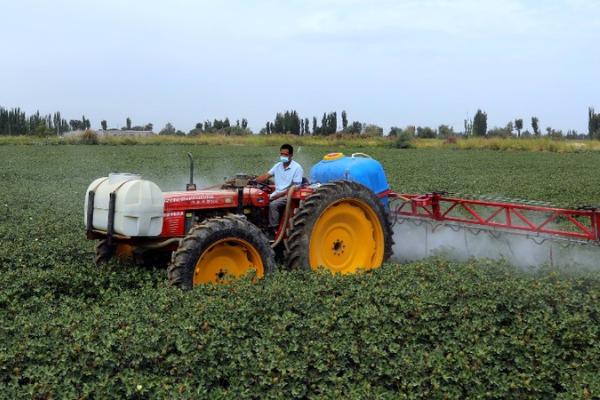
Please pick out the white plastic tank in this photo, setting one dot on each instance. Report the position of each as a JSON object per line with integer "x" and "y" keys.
{"x": 139, "y": 205}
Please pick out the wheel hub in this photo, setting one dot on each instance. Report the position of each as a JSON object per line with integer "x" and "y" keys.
{"x": 346, "y": 237}
{"x": 338, "y": 247}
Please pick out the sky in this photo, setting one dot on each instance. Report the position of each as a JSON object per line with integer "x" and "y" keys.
{"x": 391, "y": 63}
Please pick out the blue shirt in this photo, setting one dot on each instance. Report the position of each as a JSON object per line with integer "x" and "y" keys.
{"x": 286, "y": 177}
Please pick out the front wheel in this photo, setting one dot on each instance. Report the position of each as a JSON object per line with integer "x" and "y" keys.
{"x": 220, "y": 247}
{"x": 105, "y": 252}
{"x": 129, "y": 253}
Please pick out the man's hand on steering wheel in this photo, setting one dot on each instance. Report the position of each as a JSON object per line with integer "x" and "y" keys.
{"x": 260, "y": 184}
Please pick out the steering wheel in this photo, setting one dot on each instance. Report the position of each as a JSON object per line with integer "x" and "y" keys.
{"x": 261, "y": 185}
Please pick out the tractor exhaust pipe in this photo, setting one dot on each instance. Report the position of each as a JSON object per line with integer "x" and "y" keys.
{"x": 191, "y": 185}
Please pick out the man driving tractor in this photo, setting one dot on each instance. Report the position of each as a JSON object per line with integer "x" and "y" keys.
{"x": 286, "y": 173}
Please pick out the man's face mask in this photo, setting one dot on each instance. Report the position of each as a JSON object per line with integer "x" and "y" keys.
{"x": 284, "y": 159}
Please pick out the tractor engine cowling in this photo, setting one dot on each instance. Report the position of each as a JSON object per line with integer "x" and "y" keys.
{"x": 136, "y": 205}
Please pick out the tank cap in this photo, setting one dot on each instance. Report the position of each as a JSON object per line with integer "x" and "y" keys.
{"x": 333, "y": 156}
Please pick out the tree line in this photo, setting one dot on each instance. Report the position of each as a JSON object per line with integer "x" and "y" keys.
{"x": 15, "y": 122}
{"x": 128, "y": 126}
{"x": 478, "y": 127}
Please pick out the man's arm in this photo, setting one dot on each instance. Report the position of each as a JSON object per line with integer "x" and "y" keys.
{"x": 267, "y": 175}
{"x": 264, "y": 177}
{"x": 297, "y": 178}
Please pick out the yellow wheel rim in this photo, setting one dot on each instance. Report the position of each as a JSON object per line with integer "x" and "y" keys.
{"x": 229, "y": 256}
{"x": 346, "y": 237}
{"x": 124, "y": 251}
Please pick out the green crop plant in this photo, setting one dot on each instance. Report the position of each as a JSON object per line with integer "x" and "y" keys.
{"x": 429, "y": 329}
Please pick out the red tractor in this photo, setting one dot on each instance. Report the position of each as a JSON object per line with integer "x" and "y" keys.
{"x": 208, "y": 234}
{"x": 341, "y": 220}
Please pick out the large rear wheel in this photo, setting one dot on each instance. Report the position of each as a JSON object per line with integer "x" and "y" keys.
{"x": 220, "y": 247}
{"x": 343, "y": 227}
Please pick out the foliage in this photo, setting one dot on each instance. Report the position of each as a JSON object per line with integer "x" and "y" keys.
{"x": 528, "y": 143}
{"x": 16, "y": 122}
{"x": 479, "y": 127}
{"x": 500, "y": 132}
{"x": 445, "y": 131}
{"x": 394, "y": 131}
{"x": 468, "y": 126}
{"x": 535, "y": 126}
{"x": 426, "y": 132}
{"x": 78, "y": 125}
{"x": 344, "y": 120}
{"x": 355, "y": 128}
{"x": 430, "y": 329}
{"x": 328, "y": 124}
{"x": 403, "y": 139}
{"x": 554, "y": 133}
{"x": 287, "y": 122}
{"x": 372, "y": 130}
{"x": 169, "y": 129}
{"x": 593, "y": 124}
{"x": 88, "y": 137}
{"x": 519, "y": 126}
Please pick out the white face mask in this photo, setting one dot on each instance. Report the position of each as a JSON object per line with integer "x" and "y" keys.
{"x": 284, "y": 159}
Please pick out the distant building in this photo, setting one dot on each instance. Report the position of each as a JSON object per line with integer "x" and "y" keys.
{"x": 111, "y": 132}
{"x": 120, "y": 132}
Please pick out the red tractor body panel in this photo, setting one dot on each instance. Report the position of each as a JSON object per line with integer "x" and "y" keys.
{"x": 178, "y": 204}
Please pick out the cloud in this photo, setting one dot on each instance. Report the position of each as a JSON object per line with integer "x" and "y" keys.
{"x": 451, "y": 17}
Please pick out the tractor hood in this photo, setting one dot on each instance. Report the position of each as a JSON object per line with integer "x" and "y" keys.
{"x": 211, "y": 199}
{"x": 187, "y": 200}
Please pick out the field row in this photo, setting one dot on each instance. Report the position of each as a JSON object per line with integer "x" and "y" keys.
{"x": 430, "y": 329}
{"x": 542, "y": 144}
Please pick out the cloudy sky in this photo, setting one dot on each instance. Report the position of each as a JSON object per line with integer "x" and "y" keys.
{"x": 393, "y": 63}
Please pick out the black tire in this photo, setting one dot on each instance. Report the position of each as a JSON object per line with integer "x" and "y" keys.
{"x": 151, "y": 258}
{"x": 301, "y": 225}
{"x": 104, "y": 252}
{"x": 127, "y": 253}
{"x": 200, "y": 239}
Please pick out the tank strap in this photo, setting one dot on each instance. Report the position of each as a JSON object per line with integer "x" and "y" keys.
{"x": 99, "y": 183}
{"x": 363, "y": 155}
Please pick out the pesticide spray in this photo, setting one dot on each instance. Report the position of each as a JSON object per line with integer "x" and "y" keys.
{"x": 418, "y": 239}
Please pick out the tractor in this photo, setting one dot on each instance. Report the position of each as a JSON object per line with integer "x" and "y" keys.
{"x": 341, "y": 219}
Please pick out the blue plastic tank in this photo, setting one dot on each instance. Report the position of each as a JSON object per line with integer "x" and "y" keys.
{"x": 357, "y": 168}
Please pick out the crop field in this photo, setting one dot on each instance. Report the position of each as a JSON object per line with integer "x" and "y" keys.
{"x": 428, "y": 329}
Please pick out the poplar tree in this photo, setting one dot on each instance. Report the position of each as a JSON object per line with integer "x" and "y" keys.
{"x": 480, "y": 123}
{"x": 593, "y": 124}
{"x": 535, "y": 126}
{"x": 518, "y": 126}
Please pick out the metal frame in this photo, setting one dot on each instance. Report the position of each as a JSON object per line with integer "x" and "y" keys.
{"x": 90, "y": 212}
{"x": 582, "y": 224}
